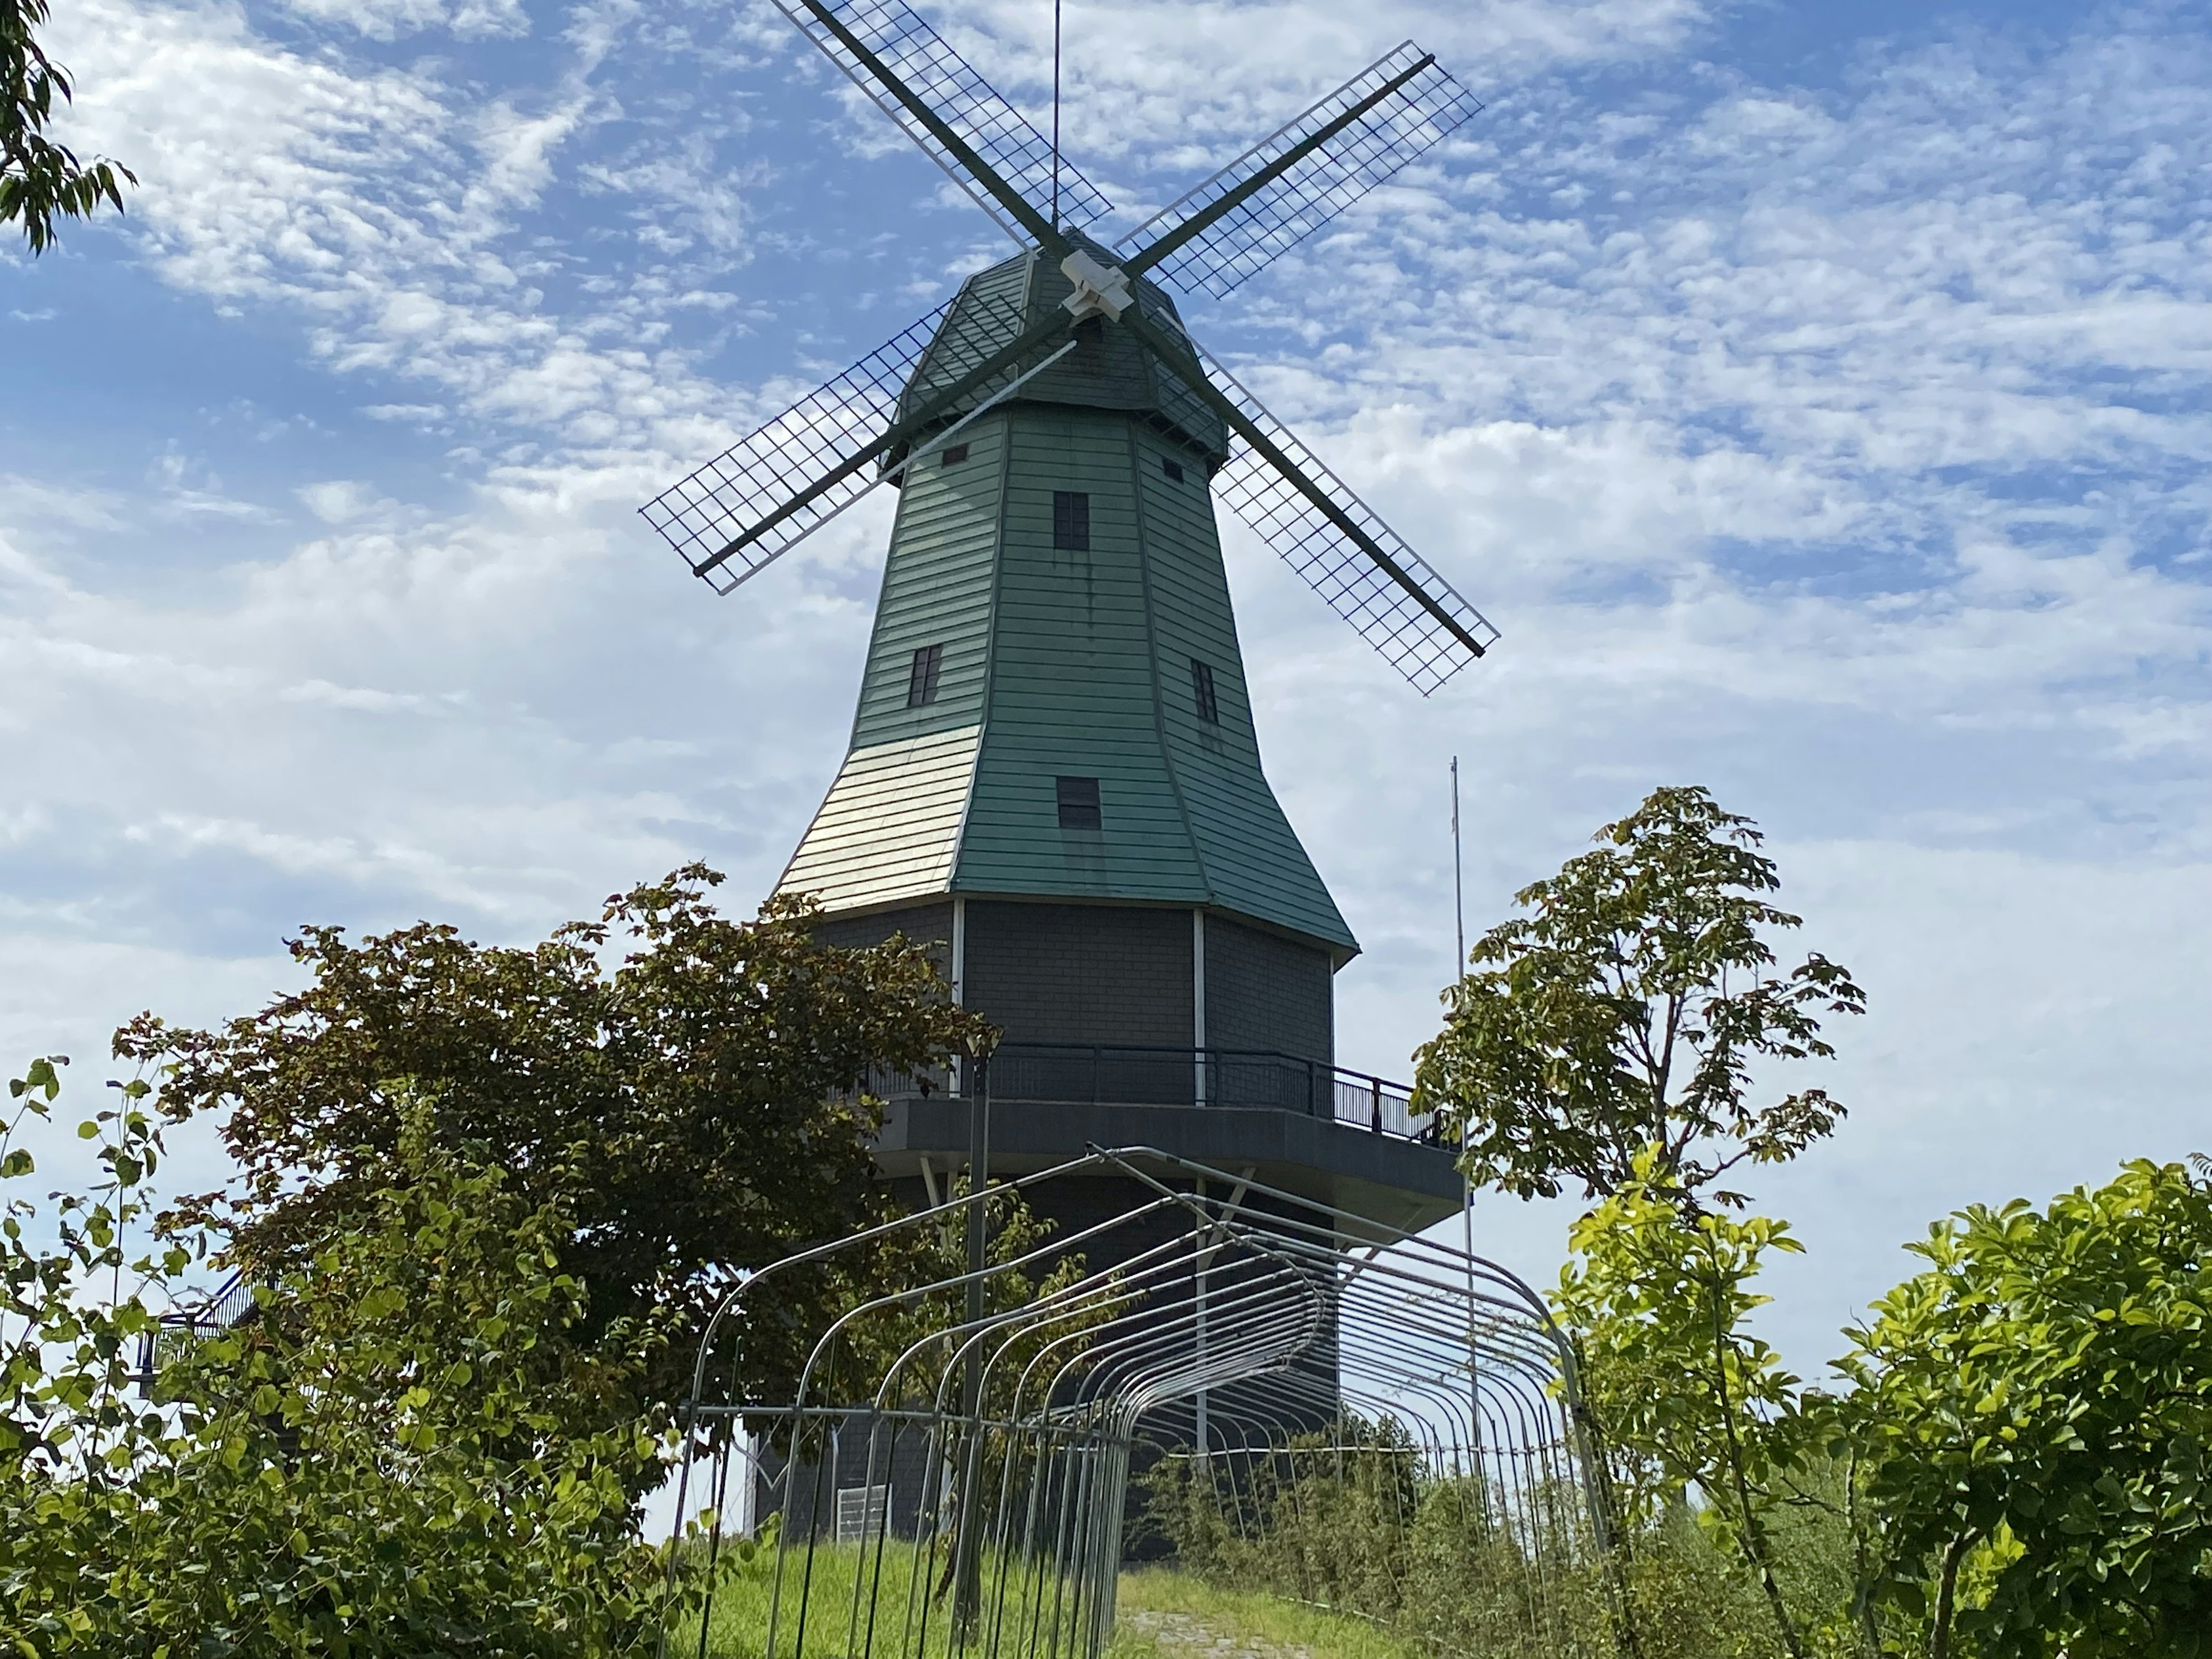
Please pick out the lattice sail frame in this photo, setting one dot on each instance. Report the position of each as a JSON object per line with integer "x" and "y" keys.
{"x": 739, "y": 511}
{"x": 707, "y": 516}
{"x": 1418, "y": 116}
{"x": 964, "y": 100}
{"x": 1408, "y": 635}
{"x": 700, "y": 514}
{"x": 988, "y": 1459}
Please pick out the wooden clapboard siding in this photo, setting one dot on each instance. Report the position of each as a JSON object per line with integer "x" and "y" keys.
{"x": 1254, "y": 861}
{"x": 1060, "y": 662}
{"x": 889, "y": 828}
{"x": 936, "y": 590}
{"x": 1072, "y": 686}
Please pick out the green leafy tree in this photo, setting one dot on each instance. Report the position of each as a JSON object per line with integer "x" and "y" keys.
{"x": 1627, "y": 1010}
{"x": 397, "y": 1456}
{"x": 1655, "y": 1298}
{"x": 40, "y": 178}
{"x": 694, "y": 1109}
{"x": 2033, "y": 1411}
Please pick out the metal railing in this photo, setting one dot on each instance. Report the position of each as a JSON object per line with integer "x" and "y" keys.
{"x": 227, "y": 1305}
{"x": 1122, "y": 1074}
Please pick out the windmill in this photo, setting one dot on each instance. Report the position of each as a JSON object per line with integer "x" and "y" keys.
{"x": 1053, "y": 772}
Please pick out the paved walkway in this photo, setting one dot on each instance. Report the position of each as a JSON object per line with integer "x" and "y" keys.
{"x": 1181, "y": 1634}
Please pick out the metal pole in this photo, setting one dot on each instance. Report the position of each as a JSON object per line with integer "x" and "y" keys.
{"x": 1459, "y": 898}
{"x": 979, "y": 1175}
{"x": 1055, "y": 115}
{"x": 1466, "y": 1186}
{"x": 1204, "y": 1258}
{"x": 968, "y": 1541}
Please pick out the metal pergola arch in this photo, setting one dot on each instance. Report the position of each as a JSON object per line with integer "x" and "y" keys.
{"x": 978, "y": 1483}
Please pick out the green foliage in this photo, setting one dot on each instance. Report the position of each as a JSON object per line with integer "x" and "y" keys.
{"x": 386, "y": 1459}
{"x": 40, "y": 178}
{"x": 1280, "y": 1519}
{"x": 693, "y": 1111}
{"x": 1355, "y": 1524}
{"x": 1689, "y": 1596}
{"x": 1626, "y": 1011}
{"x": 2015, "y": 1471}
{"x": 1655, "y": 1299}
{"x": 2033, "y": 1410}
{"x": 1351, "y": 1519}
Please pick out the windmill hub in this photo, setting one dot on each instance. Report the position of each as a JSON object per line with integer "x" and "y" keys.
{"x": 1100, "y": 290}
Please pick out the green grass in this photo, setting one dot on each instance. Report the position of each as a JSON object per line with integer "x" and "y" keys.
{"x": 738, "y": 1626}
{"x": 1254, "y": 1617}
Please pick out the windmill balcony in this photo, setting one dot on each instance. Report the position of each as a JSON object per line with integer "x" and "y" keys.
{"x": 1344, "y": 1138}
{"x": 1101, "y": 1074}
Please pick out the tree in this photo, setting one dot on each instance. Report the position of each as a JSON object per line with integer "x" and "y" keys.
{"x": 1656, "y": 1300}
{"x": 40, "y": 178}
{"x": 2033, "y": 1411}
{"x": 1627, "y": 1011}
{"x": 697, "y": 1109}
{"x": 396, "y": 1457}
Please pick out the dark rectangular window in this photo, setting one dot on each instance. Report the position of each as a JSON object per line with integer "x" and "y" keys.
{"x": 921, "y": 679}
{"x": 954, "y": 456}
{"x": 1079, "y": 803}
{"x": 1173, "y": 469}
{"x": 1070, "y": 520}
{"x": 1201, "y": 691}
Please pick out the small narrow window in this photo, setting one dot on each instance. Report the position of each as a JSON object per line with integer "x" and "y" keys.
{"x": 1079, "y": 803}
{"x": 1070, "y": 520}
{"x": 1201, "y": 691}
{"x": 921, "y": 679}
{"x": 1173, "y": 469}
{"x": 954, "y": 456}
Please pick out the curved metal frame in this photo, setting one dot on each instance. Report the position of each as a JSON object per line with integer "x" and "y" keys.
{"x": 1253, "y": 1333}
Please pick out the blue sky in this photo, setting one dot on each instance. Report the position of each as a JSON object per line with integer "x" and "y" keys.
{"x": 1817, "y": 398}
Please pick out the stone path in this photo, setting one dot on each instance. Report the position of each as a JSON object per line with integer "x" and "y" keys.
{"x": 1180, "y": 1634}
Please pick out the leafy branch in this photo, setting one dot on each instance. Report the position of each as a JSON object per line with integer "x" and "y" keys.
{"x": 41, "y": 178}
{"x": 1628, "y": 1011}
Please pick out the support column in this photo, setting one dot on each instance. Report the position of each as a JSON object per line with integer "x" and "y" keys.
{"x": 959, "y": 982}
{"x": 1198, "y": 1003}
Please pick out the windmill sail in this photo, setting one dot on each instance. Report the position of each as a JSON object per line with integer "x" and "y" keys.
{"x": 742, "y": 510}
{"x": 917, "y": 58}
{"x": 1289, "y": 185}
{"x": 1396, "y": 603}
{"x": 784, "y": 480}
{"x": 707, "y": 516}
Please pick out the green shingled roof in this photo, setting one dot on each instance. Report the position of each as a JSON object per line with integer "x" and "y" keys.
{"x": 1061, "y": 662}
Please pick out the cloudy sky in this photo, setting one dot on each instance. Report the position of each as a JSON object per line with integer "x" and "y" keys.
{"x": 1816, "y": 396}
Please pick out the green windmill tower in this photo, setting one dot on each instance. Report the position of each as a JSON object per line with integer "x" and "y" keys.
{"x": 1054, "y": 773}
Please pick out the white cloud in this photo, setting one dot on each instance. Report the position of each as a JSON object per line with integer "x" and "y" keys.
{"x": 382, "y": 206}
{"x": 1842, "y": 450}
{"x": 337, "y": 500}
{"x": 391, "y": 20}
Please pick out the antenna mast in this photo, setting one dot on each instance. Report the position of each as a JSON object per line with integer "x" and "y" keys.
{"x": 1055, "y": 115}
{"x": 1459, "y": 901}
{"x": 1466, "y": 1184}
